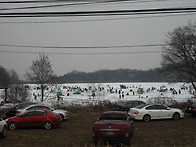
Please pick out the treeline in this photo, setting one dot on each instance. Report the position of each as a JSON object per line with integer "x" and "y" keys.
{"x": 119, "y": 75}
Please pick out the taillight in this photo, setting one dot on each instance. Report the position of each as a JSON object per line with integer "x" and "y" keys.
{"x": 56, "y": 117}
{"x": 18, "y": 111}
{"x": 136, "y": 112}
{"x": 194, "y": 108}
{"x": 8, "y": 110}
{"x": 127, "y": 133}
{"x": 93, "y": 132}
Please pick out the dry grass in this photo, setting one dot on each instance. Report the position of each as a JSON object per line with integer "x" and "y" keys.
{"x": 76, "y": 132}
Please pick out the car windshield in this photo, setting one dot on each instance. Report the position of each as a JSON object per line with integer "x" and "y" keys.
{"x": 21, "y": 106}
{"x": 113, "y": 117}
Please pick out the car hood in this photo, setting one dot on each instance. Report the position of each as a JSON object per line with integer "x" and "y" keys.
{"x": 175, "y": 109}
{"x": 11, "y": 118}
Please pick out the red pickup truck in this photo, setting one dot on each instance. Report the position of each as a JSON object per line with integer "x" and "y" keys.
{"x": 113, "y": 126}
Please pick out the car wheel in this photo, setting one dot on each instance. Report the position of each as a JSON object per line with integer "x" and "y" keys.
{"x": 12, "y": 126}
{"x": 132, "y": 132}
{"x": 4, "y": 132}
{"x": 47, "y": 125}
{"x": 176, "y": 116}
{"x": 61, "y": 117}
{"x": 95, "y": 141}
{"x": 146, "y": 118}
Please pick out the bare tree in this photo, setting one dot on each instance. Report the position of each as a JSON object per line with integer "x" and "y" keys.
{"x": 41, "y": 72}
{"x": 4, "y": 76}
{"x": 179, "y": 55}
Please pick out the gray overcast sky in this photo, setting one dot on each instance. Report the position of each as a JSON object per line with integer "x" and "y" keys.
{"x": 91, "y": 31}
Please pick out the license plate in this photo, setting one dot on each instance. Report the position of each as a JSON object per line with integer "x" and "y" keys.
{"x": 109, "y": 133}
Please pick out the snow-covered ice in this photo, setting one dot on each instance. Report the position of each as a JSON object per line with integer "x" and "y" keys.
{"x": 91, "y": 93}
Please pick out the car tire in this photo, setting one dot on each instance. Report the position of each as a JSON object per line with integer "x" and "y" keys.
{"x": 4, "y": 132}
{"x": 176, "y": 116}
{"x": 128, "y": 141}
{"x": 47, "y": 125}
{"x": 146, "y": 118}
{"x": 95, "y": 141}
{"x": 61, "y": 117}
{"x": 12, "y": 126}
{"x": 132, "y": 132}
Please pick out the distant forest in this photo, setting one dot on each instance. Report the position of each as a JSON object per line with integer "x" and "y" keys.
{"x": 119, "y": 75}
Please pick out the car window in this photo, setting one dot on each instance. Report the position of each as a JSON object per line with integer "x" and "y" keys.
{"x": 156, "y": 107}
{"x": 34, "y": 113}
{"x": 113, "y": 117}
{"x": 40, "y": 113}
{"x": 31, "y": 113}
{"x": 153, "y": 107}
{"x": 162, "y": 107}
{"x": 134, "y": 103}
{"x": 141, "y": 106}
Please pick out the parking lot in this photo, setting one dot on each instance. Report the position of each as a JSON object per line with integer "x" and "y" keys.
{"x": 76, "y": 132}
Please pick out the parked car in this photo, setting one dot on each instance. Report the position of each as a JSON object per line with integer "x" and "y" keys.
{"x": 126, "y": 105}
{"x": 148, "y": 112}
{"x": 11, "y": 111}
{"x": 63, "y": 113}
{"x": 3, "y": 128}
{"x": 113, "y": 126}
{"x": 191, "y": 109}
{"x": 34, "y": 118}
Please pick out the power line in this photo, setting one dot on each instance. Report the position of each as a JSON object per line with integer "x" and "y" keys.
{"x": 82, "y": 47}
{"x": 72, "y": 4}
{"x": 102, "y": 12}
{"x": 91, "y": 20}
{"x": 67, "y": 4}
{"x": 89, "y": 53}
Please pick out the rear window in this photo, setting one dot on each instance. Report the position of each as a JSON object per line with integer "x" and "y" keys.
{"x": 113, "y": 117}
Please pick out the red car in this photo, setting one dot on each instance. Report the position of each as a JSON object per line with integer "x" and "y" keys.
{"x": 34, "y": 118}
{"x": 114, "y": 127}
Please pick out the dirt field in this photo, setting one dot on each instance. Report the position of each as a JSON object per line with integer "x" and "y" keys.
{"x": 76, "y": 132}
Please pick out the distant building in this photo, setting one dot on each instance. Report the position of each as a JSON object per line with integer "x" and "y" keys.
{"x": 4, "y": 87}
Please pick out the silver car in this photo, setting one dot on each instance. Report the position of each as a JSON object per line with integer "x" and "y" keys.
{"x": 63, "y": 113}
{"x": 148, "y": 112}
{"x": 3, "y": 128}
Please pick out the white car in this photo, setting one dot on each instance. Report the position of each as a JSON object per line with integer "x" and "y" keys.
{"x": 148, "y": 112}
{"x": 63, "y": 113}
{"x": 3, "y": 128}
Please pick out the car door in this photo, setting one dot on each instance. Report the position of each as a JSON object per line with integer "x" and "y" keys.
{"x": 153, "y": 111}
{"x": 165, "y": 112}
{"x": 33, "y": 118}
{"x": 26, "y": 120}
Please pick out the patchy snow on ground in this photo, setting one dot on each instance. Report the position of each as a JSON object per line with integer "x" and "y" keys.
{"x": 81, "y": 94}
